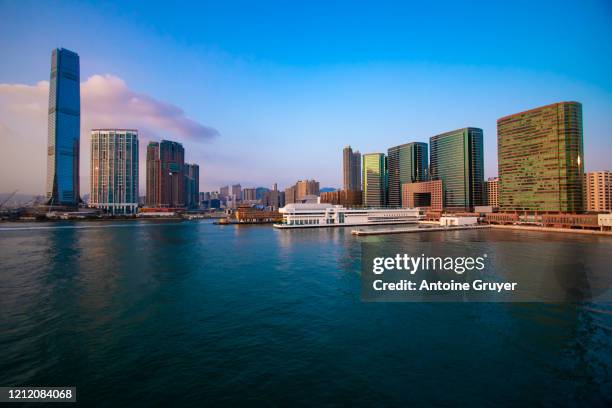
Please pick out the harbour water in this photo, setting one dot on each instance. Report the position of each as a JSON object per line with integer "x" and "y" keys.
{"x": 147, "y": 313}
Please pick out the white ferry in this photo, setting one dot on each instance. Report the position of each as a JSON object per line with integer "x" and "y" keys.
{"x": 328, "y": 215}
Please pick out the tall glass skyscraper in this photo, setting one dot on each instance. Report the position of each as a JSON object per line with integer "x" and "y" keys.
{"x": 541, "y": 159}
{"x": 457, "y": 159}
{"x": 407, "y": 164}
{"x": 192, "y": 185}
{"x": 374, "y": 179}
{"x": 114, "y": 170}
{"x": 64, "y": 129}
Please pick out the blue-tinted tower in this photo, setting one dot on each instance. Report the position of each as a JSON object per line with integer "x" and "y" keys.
{"x": 64, "y": 129}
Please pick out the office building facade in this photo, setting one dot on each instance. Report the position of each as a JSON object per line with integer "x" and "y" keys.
{"x": 64, "y": 129}
{"x": 374, "y": 179}
{"x": 598, "y": 191}
{"x": 114, "y": 170}
{"x": 351, "y": 169}
{"x": 425, "y": 194}
{"x": 407, "y": 163}
{"x": 456, "y": 159}
{"x": 541, "y": 159}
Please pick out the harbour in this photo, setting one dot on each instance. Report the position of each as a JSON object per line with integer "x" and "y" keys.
{"x": 284, "y": 317}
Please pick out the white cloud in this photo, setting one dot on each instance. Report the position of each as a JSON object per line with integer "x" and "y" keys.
{"x": 106, "y": 102}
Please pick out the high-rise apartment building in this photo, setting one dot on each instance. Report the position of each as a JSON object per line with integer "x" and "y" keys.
{"x": 456, "y": 158}
{"x": 407, "y": 163}
{"x": 114, "y": 170}
{"x": 237, "y": 190}
{"x": 374, "y": 179}
{"x": 274, "y": 198}
{"x": 153, "y": 193}
{"x": 345, "y": 198}
{"x": 541, "y": 160}
{"x": 598, "y": 191}
{"x": 165, "y": 174}
{"x": 64, "y": 129}
{"x": 224, "y": 191}
{"x": 192, "y": 185}
{"x": 290, "y": 195}
{"x": 249, "y": 194}
{"x": 491, "y": 191}
{"x": 305, "y": 188}
{"x": 351, "y": 169}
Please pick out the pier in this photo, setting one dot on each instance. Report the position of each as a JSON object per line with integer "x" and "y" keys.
{"x": 386, "y": 231}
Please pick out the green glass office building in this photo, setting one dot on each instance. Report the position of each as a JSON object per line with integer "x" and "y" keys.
{"x": 541, "y": 159}
{"x": 374, "y": 179}
{"x": 457, "y": 159}
{"x": 406, "y": 163}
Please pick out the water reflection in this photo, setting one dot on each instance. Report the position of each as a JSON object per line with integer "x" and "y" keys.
{"x": 220, "y": 312}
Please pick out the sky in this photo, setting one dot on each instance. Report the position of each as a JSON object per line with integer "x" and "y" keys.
{"x": 264, "y": 92}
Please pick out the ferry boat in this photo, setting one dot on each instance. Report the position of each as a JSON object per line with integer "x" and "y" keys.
{"x": 328, "y": 215}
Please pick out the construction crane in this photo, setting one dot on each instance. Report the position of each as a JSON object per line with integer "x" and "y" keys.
{"x": 8, "y": 198}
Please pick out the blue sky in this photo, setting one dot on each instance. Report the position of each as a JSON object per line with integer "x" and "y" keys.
{"x": 288, "y": 84}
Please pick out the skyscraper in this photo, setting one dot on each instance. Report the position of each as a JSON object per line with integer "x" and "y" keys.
{"x": 64, "y": 123}
{"x": 114, "y": 170}
{"x": 351, "y": 169}
{"x": 172, "y": 156}
{"x": 153, "y": 193}
{"x": 407, "y": 163}
{"x": 165, "y": 174}
{"x": 457, "y": 159}
{"x": 541, "y": 160}
{"x": 374, "y": 179}
{"x": 192, "y": 185}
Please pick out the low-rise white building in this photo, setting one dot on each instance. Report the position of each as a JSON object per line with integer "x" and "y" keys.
{"x": 457, "y": 221}
{"x": 298, "y": 215}
{"x": 605, "y": 221}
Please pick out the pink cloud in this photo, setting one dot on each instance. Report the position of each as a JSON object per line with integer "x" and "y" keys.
{"x": 106, "y": 102}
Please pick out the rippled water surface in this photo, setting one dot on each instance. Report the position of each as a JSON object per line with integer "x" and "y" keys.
{"x": 154, "y": 313}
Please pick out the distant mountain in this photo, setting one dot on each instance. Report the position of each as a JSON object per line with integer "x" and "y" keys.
{"x": 327, "y": 189}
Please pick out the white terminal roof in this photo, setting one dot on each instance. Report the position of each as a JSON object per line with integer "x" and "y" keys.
{"x": 309, "y": 206}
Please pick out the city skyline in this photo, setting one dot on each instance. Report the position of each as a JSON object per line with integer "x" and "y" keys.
{"x": 224, "y": 98}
